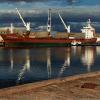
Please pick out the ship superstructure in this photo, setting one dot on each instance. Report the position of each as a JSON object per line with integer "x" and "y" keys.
{"x": 88, "y": 30}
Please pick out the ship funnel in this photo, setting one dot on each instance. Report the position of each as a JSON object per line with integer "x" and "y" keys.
{"x": 49, "y": 21}
{"x": 66, "y": 27}
{"x": 27, "y": 25}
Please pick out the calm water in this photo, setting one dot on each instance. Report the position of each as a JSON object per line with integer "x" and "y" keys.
{"x": 18, "y": 66}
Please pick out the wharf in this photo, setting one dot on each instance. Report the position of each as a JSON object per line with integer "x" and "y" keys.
{"x": 79, "y": 87}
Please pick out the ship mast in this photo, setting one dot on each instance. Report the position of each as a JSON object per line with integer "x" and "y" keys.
{"x": 11, "y": 29}
{"x": 27, "y": 25}
{"x": 66, "y": 27}
{"x": 49, "y": 22}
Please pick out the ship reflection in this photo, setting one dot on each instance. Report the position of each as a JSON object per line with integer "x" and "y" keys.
{"x": 37, "y": 64}
{"x": 11, "y": 59}
{"x": 87, "y": 54}
{"x": 49, "y": 62}
{"x": 25, "y": 68}
{"x": 66, "y": 61}
{"x": 98, "y": 50}
{"x": 88, "y": 57}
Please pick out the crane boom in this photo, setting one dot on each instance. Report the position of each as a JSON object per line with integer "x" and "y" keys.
{"x": 21, "y": 18}
{"x": 66, "y": 27}
{"x": 49, "y": 21}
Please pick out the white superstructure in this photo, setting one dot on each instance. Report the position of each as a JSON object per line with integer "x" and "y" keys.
{"x": 88, "y": 30}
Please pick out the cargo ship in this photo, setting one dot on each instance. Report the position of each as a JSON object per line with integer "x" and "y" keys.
{"x": 34, "y": 39}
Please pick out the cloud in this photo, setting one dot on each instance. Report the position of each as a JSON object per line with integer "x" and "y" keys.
{"x": 69, "y": 1}
{"x": 23, "y": 0}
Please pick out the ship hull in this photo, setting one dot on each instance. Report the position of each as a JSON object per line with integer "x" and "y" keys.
{"x": 25, "y": 44}
{"x": 12, "y": 40}
{"x": 45, "y": 44}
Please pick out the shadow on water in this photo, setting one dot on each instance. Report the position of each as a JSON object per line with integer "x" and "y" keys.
{"x": 37, "y": 64}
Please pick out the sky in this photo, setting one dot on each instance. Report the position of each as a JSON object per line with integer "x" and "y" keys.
{"x": 75, "y": 12}
{"x": 29, "y": 4}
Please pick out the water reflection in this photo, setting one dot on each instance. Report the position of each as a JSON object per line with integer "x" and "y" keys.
{"x": 66, "y": 61}
{"x": 49, "y": 62}
{"x": 30, "y": 65}
{"x": 11, "y": 59}
{"x": 74, "y": 50}
{"x": 98, "y": 50}
{"x": 88, "y": 57}
{"x": 25, "y": 67}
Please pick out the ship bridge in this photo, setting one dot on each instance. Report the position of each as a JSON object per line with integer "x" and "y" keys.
{"x": 88, "y": 30}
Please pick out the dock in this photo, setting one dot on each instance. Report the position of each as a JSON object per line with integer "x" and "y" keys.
{"x": 79, "y": 87}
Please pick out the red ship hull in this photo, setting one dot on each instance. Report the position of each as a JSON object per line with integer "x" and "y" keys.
{"x": 15, "y": 40}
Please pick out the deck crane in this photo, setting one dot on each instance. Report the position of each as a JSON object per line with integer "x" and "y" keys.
{"x": 49, "y": 22}
{"x": 27, "y": 25}
{"x": 66, "y": 27}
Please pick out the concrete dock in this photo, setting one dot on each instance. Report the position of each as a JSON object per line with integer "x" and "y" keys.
{"x": 79, "y": 87}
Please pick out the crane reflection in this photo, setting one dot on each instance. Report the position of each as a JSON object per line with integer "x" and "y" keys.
{"x": 11, "y": 59}
{"x": 25, "y": 67}
{"x": 66, "y": 62}
{"x": 49, "y": 62}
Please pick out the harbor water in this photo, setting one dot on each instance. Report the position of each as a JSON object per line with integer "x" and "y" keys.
{"x": 19, "y": 66}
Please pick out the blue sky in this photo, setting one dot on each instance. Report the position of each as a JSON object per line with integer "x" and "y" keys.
{"x": 29, "y": 4}
{"x": 31, "y": 10}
